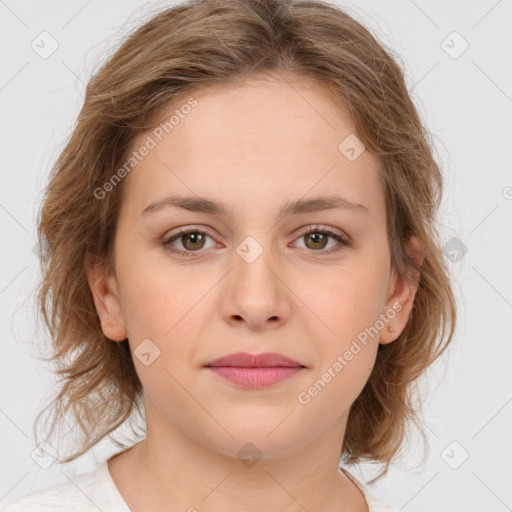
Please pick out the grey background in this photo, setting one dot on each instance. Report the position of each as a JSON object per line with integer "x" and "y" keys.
{"x": 465, "y": 101}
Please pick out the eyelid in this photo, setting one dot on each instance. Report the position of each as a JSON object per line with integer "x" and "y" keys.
{"x": 311, "y": 228}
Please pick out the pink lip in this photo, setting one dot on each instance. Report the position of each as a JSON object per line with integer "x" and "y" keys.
{"x": 255, "y": 371}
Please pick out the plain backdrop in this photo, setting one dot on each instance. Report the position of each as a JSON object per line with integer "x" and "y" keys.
{"x": 457, "y": 57}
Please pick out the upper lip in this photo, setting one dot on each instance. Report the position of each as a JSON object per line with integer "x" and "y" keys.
{"x": 243, "y": 359}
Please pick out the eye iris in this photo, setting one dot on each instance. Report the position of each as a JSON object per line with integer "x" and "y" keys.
{"x": 196, "y": 238}
{"x": 318, "y": 238}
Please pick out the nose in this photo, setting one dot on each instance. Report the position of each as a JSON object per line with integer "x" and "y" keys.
{"x": 255, "y": 291}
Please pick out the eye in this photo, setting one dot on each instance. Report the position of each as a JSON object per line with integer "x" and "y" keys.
{"x": 193, "y": 240}
{"x": 316, "y": 239}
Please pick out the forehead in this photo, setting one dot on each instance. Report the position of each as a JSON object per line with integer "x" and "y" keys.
{"x": 251, "y": 145}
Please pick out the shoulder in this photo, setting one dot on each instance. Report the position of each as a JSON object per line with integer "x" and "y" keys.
{"x": 90, "y": 491}
{"x": 374, "y": 504}
{"x": 58, "y": 498}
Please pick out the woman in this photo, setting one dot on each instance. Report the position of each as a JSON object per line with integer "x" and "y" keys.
{"x": 241, "y": 241}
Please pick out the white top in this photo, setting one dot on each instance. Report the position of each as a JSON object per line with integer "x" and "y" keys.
{"x": 96, "y": 490}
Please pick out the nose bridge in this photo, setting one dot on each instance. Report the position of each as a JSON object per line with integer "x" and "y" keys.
{"x": 255, "y": 261}
{"x": 255, "y": 293}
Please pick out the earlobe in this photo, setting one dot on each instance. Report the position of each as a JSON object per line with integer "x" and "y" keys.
{"x": 401, "y": 296}
{"x": 106, "y": 299}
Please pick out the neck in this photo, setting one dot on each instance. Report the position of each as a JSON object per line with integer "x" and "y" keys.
{"x": 170, "y": 471}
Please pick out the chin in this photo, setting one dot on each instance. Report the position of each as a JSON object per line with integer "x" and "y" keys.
{"x": 263, "y": 440}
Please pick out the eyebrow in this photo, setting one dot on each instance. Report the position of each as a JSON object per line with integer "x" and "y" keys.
{"x": 213, "y": 207}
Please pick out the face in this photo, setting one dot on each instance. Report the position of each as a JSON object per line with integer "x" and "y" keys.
{"x": 311, "y": 283}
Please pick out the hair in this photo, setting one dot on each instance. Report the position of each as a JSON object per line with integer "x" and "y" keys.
{"x": 213, "y": 43}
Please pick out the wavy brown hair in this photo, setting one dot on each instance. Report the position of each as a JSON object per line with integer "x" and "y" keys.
{"x": 209, "y": 43}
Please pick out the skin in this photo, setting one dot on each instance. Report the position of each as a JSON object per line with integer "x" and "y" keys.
{"x": 255, "y": 147}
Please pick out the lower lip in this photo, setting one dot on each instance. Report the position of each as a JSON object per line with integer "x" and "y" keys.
{"x": 255, "y": 377}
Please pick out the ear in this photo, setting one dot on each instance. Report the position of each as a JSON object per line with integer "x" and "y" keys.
{"x": 401, "y": 293}
{"x": 106, "y": 298}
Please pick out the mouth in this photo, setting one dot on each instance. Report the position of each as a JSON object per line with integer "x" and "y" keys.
{"x": 255, "y": 371}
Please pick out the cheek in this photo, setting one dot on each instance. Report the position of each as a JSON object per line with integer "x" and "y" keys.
{"x": 346, "y": 305}
{"x": 164, "y": 313}
{"x": 330, "y": 393}
{"x": 345, "y": 300}
{"x": 345, "y": 340}
{"x": 159, "y": 298}
{"x": 162, "y": 316}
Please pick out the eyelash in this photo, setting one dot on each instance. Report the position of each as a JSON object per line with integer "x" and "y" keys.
{"x": 344, "y": 241}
